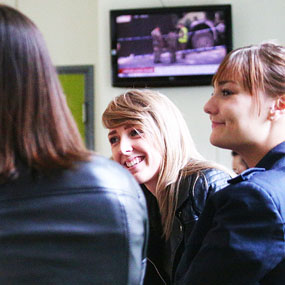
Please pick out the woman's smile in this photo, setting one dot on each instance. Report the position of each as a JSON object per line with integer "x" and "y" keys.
{"x": 133, "y": 162}
{"x": 136, "y": 152}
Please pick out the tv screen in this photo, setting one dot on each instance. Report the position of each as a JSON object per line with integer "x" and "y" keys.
{"x": 174, "y": 46}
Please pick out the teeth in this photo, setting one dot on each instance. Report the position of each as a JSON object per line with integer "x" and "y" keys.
{"x": 133, "y": 162}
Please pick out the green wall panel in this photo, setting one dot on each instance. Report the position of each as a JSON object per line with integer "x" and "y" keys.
{"x": 78, "y": 86}
{"x": 74, "y": 88}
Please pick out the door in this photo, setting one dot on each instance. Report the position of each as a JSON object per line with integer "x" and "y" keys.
{"x": 77, "y": 84}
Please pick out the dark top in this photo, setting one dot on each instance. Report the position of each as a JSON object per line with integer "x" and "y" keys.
{"x": 82, "y": 226}
{"x": 240, "y": 236}
{"x": 156, "y": 251}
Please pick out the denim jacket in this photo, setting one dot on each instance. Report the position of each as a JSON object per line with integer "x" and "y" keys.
{"x": 240, "y": 236}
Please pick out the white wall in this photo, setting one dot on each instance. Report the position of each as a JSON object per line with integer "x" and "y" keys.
{"x": 77, "y": 32}
{"x": 69, "y": 28}
{"x": 253, "y": 21}
{"x": 12, "y": 3}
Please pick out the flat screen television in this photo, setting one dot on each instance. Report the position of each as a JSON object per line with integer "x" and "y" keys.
{"x": 174, "y": 46}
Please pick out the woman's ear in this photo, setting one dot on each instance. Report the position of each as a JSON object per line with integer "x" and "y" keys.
{"x": 277, "y": 109}
{"x": 280, "y": 102}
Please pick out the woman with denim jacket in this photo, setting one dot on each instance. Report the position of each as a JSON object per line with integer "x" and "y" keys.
{"x": 240, "y": 236}
{"x": 150, "y": 138}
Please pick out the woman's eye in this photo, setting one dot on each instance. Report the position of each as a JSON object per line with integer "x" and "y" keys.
{"x": 135, "y": 132}
{"x": 113, "y": 140}
{"x": 226, "y": 92}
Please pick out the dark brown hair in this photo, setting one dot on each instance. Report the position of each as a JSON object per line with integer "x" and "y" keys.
{"x": 36, "y": 126}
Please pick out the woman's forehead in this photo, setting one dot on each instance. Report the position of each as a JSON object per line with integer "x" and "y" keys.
{"x": 228, "y": 75}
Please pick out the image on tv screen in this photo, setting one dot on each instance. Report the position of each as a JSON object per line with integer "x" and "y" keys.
{"x": 170, "y": 44}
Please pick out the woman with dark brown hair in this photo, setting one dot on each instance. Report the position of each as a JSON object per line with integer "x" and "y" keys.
{"x": 62, "y": 219}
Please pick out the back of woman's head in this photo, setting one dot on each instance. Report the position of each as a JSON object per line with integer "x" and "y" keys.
{"x": 162, "y": 123}
{"x": 36, "y": 126}
{"x": 257, "y": 68}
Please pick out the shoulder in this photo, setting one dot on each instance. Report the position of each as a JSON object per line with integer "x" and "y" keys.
{"x": 203, "y": 184}
{"x": 213, "y": 179}
{"x": 104, "y": 173}
{"x": 104, "y": 170}
{"x": 262, "y": 177}
{"x": 259, "y": 184}
{"x": 258, "y": 179}
{"x": 100, "y": 175}
{"x": 251, "y": 200}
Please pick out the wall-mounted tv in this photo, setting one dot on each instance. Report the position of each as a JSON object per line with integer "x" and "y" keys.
{"x": 174, "y": 46}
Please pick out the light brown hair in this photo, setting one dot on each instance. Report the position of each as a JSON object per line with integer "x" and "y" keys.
{"x": 256, "y": 67}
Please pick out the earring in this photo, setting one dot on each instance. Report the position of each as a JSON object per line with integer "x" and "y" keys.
{"x": 281, "y": 103}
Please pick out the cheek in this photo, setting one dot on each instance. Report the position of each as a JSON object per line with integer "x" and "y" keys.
{"x": 235, "y": 120}
{"x": 115, "y": 154}
{"x": 157, "y": 160}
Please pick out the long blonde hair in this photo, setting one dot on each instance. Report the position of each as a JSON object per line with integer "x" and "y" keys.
{"x": 161, "y": 121}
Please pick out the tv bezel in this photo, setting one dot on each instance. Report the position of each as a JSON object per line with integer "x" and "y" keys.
{"x": 164, "y": 81}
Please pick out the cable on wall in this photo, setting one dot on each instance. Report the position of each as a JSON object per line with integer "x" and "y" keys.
{"x": 161, "y": 2}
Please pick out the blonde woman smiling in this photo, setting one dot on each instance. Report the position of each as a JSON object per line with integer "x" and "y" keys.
{"x": 150, "y": 138}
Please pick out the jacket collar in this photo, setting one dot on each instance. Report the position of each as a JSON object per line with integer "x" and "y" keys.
{"x": 274, "y": 158}
{"x": 184, "y": 191}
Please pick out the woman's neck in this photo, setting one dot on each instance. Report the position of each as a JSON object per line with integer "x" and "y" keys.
{"x": 254, "y": 154}
{"x": 151, "y": 188}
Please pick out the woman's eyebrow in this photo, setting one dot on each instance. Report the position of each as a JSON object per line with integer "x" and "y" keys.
{"x": 128, "y": 126}
{"x": 112, "y": 133}
{"x": 225, "y": 82}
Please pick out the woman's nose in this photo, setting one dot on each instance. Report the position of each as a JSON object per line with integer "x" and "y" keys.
{"x": 126, "y": 146}
{"x": 210, "y": 107}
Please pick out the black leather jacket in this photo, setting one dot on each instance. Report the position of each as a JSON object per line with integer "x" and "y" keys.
{"x": 82, "y": 226}
{"x": 163, "y": 257}
{"x": 193, "y": 194}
